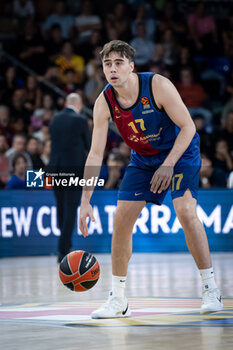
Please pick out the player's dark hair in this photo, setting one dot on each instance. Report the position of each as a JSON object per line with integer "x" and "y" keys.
{"x": 121, "y": 47}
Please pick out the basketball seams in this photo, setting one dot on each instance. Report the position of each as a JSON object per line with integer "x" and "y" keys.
{"x": 69, "y": 265}
{"x": 89, "y": 267}
{"x": 85, "y": 273}
{"x": 85, "y": 281}
{"x": 80, "y": 260}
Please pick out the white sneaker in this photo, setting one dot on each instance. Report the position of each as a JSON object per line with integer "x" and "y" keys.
{"x": 211, "y": 301}
{"x": 114, "y": 307}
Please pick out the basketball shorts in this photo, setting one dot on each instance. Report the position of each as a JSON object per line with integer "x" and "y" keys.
{"x": 136, "y": 185}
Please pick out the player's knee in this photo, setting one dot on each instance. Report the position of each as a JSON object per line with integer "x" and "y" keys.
{"x": 118, "y": 219}
{"x": 121, "y": 221}
{"x": 186, "y": 215}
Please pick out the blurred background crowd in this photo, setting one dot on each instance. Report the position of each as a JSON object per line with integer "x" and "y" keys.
{"x": 51, "y": 48}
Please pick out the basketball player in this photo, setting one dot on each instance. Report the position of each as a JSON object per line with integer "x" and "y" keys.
{"x": 155, "y": 123}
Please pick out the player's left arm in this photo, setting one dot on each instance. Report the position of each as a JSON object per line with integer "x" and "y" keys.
{"x": 167, "y": 97}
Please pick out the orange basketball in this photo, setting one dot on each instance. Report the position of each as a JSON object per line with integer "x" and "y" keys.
{"x": 79, "y": 271}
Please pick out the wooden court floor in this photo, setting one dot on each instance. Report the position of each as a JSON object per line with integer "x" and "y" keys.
{"x": 37, "y": 312}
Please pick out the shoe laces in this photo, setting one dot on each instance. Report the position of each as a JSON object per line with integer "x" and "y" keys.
{"x": 210, "y": 296}
{"x": 112, "y": 302}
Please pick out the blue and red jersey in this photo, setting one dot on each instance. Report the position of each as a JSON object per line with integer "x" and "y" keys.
{"x": 144, "y": 127}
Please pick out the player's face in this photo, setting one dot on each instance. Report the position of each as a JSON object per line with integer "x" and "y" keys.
{"x": 117, "y": 69}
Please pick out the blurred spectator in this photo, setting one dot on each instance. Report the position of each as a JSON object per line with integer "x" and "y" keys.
{"x": 5, "y": 127}
{"x": 114, "y": 171}
{"x": 184, "y": 60}
{"x": 23, "y": 8}
{"x": 18, "y": 147}
{"x": 95, "y": 85}
{"x": 144, "y": 48}
{"x": 33, "y": 149}
{"x": 172, "y": 19}
{"x": 30, "y": 48}
{"x": 112, "y": 34}
{"x": 37, "y": 116}
{"x": 18, "y": 109}
{"x": 67, "y": 59}
{"x": 113, "y": 140}
{"x": 18, "y": 126}
{"x": 86, "y": 21}
{"x": 18, "y": 179}
{"x": 33, "y": 94}
{"x": 65, "y": 21}
{"x": 125, "y": 151}
{"x": 222, "y": 158}
{"x": 52, "y": 75}
{"x": 119, "y": 19}
{"x": 45, "y": 155}
{"x": 228, "y": 35}
{"x": 94, "y": 63}
{"x": 87, "y": 48}
{"x": 143, "y": 15}
{"x": 193, "y": 95}
{"x": 170, "y": 49}
{"x": 54, "y": 42}
{"x": 9, "y": 83}
{"x": 202, "y": 28}
{"x": 227, "y": 132}
{"x": 43, "y": 133}
{"x": 70, "y": 85}
{"x": 211, "y": 176}
{"x": 206, "y": 143}
{"x": 4, "y": 167}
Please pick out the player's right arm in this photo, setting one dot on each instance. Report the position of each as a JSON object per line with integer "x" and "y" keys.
{"x": 101, "y": 116}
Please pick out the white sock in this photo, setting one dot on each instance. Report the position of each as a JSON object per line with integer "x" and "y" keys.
{"x": 208, "y": 281}
{"x": 118, "y": 286}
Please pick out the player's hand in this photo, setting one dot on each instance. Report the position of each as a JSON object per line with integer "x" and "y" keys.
{"x": 161, "y": 179}
{"x": 85, "y": 212}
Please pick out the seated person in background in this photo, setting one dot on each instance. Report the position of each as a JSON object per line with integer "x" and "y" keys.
{"x": 48, "y": 106}
{"x": 211, "y": 176}
{"x": 222, "y": 158}
{"x": 4, "y": 173}
{"x": 43, "y": 133}
{"x": 23, "y": 8}
{"x": 202, "y": 28}
{"x": 227, "y": 132}
{"x": 125, "y": 151}
{"x": 120, "y": 19}
{"x": 59, "y": 16}
{"x": 86, "y": 22}
{"x": 144, "y": 48}
{"x": 206, "y": 144}
{"x": 114, "y": 171}
{"x": 193, "y": 95}
{"x": 33, "y": 149}
{"x": 45, "y": 155}
{"x": 33, "y": 94}
{"x": 30, "y": 47}
{"x": 70, "y": 85}
{"x": 18, "y": 179}
{"x": 54, "y": 42}
{"x": 95, "y": 85}
{"x": 18, "y": 147}
{"x": 5, "y": 127}
{"x": 68, "y": 59}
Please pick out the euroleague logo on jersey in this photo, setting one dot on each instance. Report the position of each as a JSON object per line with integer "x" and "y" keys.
{"x": 145, "y": 100}
{"x": 146, "y": 105}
